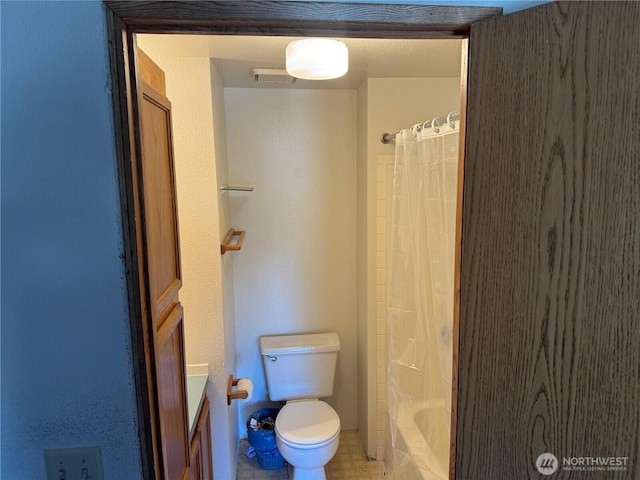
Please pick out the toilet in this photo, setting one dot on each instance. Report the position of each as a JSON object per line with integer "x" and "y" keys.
{"x": 300, "y": 370}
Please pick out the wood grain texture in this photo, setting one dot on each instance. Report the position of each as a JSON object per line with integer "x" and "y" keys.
{"x": 204, "y": 433}
{"x": 200, "y": 465}
{"x": 127, "y": 167}
{"x": 550, "y": 292}
{"x": 159, "y": 207}
{"x": 172, "y": 397}
{"x": 322, "y": 30}
{"x": 150, "y": 72}
{"x": 464, "y": 63}
{"x": 256, "y": 15}
{"x": 157, "y": 231}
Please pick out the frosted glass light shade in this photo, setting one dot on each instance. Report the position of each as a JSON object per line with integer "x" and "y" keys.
{"x": 317, "y": 59}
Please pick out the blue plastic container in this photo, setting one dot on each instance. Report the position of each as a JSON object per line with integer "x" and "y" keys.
{"x": 264, "y": 440}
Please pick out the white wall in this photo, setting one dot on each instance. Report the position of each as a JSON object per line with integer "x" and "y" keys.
{"x": 228, "y": 340}
{"x": 189, "y": 90}
{"x": 66, "y": 343}
{"x": 195, "y": 92}
{"x": 365, "y": 361}
{"x": 397, "y": 103}
{"x": 296, "y": 271}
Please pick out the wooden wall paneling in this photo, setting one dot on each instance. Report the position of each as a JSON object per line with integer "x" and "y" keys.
{"x": 549, "y": 355}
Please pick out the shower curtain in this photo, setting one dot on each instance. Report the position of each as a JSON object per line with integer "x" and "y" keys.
{"x": 420, "y": 269}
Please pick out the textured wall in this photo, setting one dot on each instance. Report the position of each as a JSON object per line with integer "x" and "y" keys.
{"x": 66, "y": 364}
{"x": 296, "y": 272}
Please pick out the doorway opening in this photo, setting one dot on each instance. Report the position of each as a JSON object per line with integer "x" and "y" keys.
{"x": 411, "y": 26}
{"x": 305, "y": 148}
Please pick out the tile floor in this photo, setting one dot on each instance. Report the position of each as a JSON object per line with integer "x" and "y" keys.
{"x": 349, "y": 463}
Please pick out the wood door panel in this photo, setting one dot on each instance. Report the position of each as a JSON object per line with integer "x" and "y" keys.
{"x": 204, "y": 433}
{"x": 160, "y": 211}
{"x": 549, "y": 354}
{"x": 150, "y": 72}
{"x": 172, "y": 400}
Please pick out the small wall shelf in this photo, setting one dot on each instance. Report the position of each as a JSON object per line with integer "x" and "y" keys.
{"x": 230, "y": 188}
{"x": 230, "y": 244}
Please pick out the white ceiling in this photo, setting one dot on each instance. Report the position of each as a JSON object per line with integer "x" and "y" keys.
{"x": 235, "y": 56}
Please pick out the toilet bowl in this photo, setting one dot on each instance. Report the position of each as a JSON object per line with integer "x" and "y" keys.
{"x": 307, "y": 436}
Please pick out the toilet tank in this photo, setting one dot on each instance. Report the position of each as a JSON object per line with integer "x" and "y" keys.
{"x": 300, "y": 366}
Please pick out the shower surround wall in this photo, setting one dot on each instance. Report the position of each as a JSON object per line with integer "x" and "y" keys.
{"x": 385, "y": 105}
{"x": 297, "y": 270}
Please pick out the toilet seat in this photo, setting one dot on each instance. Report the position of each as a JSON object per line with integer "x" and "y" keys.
{"x": 307, "y": 424}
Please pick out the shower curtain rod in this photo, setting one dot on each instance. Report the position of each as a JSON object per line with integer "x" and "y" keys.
{"x": 453, "y": 116}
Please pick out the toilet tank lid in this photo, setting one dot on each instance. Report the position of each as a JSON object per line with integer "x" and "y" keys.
{"x": 305, "y": 343}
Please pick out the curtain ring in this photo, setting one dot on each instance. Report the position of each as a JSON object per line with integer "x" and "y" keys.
{"x": 433, "y": 125}
{"x": 451, "y": 124}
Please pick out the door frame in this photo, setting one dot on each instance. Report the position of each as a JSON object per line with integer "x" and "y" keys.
{"x": 125, "y": 18}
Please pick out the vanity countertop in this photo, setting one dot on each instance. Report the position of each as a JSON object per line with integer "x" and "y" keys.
{"x": 196, "y": 388}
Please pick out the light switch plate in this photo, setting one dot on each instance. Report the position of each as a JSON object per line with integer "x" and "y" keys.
{"x": 84, "y": 463}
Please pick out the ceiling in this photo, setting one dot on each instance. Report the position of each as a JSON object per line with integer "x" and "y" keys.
{"x": 235, "y": 56}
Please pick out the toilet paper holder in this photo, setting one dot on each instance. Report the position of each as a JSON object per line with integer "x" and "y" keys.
{"x": 235, "y": 394}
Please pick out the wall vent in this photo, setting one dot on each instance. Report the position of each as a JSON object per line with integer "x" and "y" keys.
{"x": 272, "y": 75}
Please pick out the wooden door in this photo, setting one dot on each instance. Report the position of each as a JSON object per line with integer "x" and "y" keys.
{"x": 161, "y": 259}
{"x": 550, "y": 284}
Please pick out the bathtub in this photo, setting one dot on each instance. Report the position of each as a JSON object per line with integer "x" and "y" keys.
{"x": 421, "y": 449}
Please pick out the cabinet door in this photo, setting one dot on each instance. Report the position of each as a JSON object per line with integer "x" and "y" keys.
{"x": 201, "y": 467}
{"x": 204, "y": 432}
{"x": 550, "y": 284}
{"x": 195, "y": 468}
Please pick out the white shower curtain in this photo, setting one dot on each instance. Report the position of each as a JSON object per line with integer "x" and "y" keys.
{"x": 420, "y": 266}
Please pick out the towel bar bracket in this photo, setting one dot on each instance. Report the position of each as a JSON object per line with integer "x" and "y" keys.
{"x": 229, "y": 244}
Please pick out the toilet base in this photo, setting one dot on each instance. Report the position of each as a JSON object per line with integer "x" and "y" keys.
{"x": 305, "y": 474}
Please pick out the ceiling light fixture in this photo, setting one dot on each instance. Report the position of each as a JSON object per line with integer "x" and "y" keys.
{"x": 317, "y": 59}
